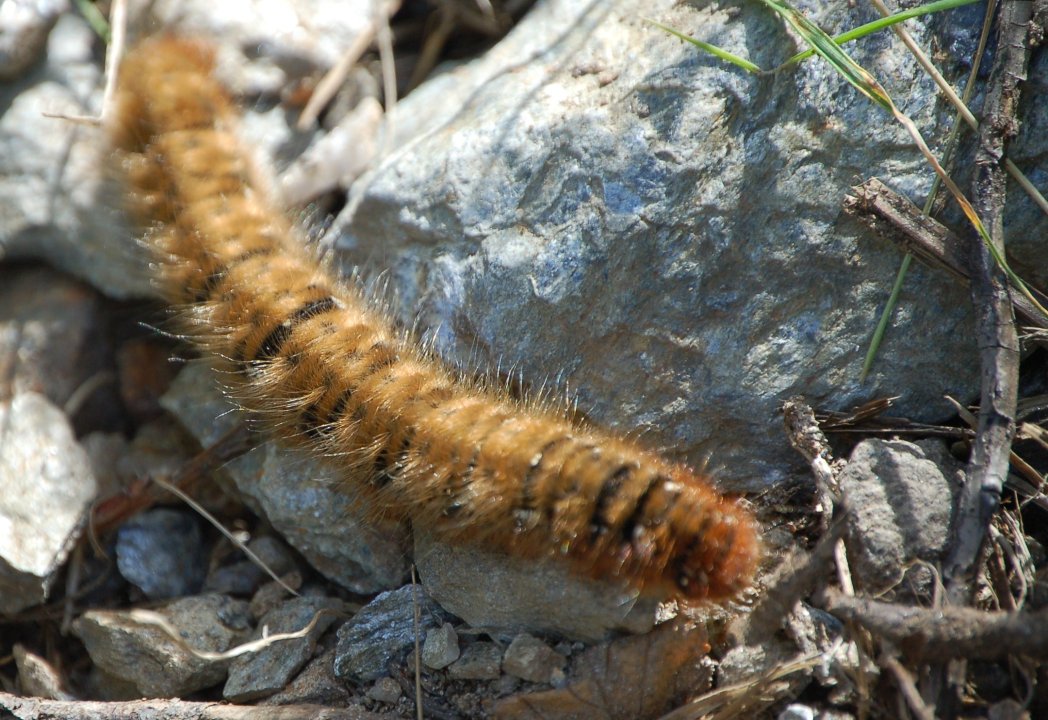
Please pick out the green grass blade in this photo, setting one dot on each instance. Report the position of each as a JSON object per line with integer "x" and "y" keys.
{"x": 711, "y": 49}
{"x": 886, "y": 316}
{"x": 824, "y": 45}
{"x": 94, "y": 18}
{"x": 865, "y": 83}
{"x": 950, "y": 146}
{"x": 881, "y": 23}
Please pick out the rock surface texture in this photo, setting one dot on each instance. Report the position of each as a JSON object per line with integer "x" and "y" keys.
{"x": 597, "y": 204}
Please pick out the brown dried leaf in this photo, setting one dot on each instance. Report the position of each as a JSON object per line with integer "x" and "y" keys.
{"x": 634, "y": 677}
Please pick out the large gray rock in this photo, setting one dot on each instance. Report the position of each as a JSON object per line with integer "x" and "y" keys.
{"x": 596, "y": 202}
{"x": 47, "y": 491}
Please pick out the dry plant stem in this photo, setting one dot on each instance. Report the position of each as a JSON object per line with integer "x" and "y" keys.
{"x": 995, "y": 325}
{"x": 115, "y": 510}
{"x": 958, "y": 103}
{"x": 799, "y": 575}
{"x": 902, "y": 222}
{"x": 242, "y": 546}
{"x": 158, "y": 621}
{"x": 332, "y": 81}
{"x": 26, "y": 708}
{"x": 996, "y": 336}
{"x": 434, "y": 43}
{"x": 907, "y": 687}
{"x": 939, "y": 635}
{"x": 808, "y": 439}
{"x": 417, "y": 619}
{"x": 716, "y": 700}
{"x": 115, "y": 51}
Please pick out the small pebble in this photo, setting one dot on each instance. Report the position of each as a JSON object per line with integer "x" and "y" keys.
{"x": 384, "y": 630}
{"x": 130, "y": 651}
{"x": 273, "y": 593}
{"x": 1007, "y": 709}
{"x": 441, "y": 647}
{"x": 47, "y": 488}
{"x": 144, "y": 371}
{"x": 479, "y": 661}
{"x": 508, "y": 685}
{"x": 37, "y": 677}
{"x": 244, "y": 577}
{"x": 531, "y": 659}
{"x": 796, "y": 711}
{"x": 162, "y": 552}
{"x": 23, "y": 33}
{"x": 270, "y": 669}
{"x": 385, "y": 690}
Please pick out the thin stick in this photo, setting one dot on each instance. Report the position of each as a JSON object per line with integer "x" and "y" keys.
{"x": 202, "y": 511}
{"x": 118, "y": 27}
{"x": 332, "y": 81}
{"x": 161, "y": 623}
{"x": 939, "y": 634}
{"x": 995, "y": 325}
{"x": 899, "y": 220}
{"x": 416, "y": 616}
{"x": 28, "y": 708}
{"x": 907, "y": 687}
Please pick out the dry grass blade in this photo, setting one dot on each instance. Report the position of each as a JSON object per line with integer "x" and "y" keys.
{"x": 907, "y": 686}
{"x": 153, "y": 619}
{"x": 200, "y": 510}
{"x": 863, "y": 413}
{"x": 733, "y": 701}
{"x": 332, "y": 81}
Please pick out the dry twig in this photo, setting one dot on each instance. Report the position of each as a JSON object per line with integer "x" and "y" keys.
{"x": 798, "y": 577}
{"x": 897, "y": 219}
{"x": 112, "y": 511}
{"x": 995, "y": 326}
{"x": 26, "y": 708}
{"x": 939, "y": 635}
{"x": 995, "y": 333}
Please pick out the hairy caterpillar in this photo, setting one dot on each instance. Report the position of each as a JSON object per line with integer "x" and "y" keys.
{"x": 324, "y": 370}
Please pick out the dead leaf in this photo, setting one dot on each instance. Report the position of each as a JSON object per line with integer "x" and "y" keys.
{"x": 630, "y": 678}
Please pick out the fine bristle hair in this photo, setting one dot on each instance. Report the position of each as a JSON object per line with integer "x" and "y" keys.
{"x": 319, "y": 367}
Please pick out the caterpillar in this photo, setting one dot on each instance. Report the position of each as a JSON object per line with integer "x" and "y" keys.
{"x": 320, "y": 367}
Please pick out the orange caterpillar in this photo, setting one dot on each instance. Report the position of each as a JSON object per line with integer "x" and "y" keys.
{"x": 326, "y": 371}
